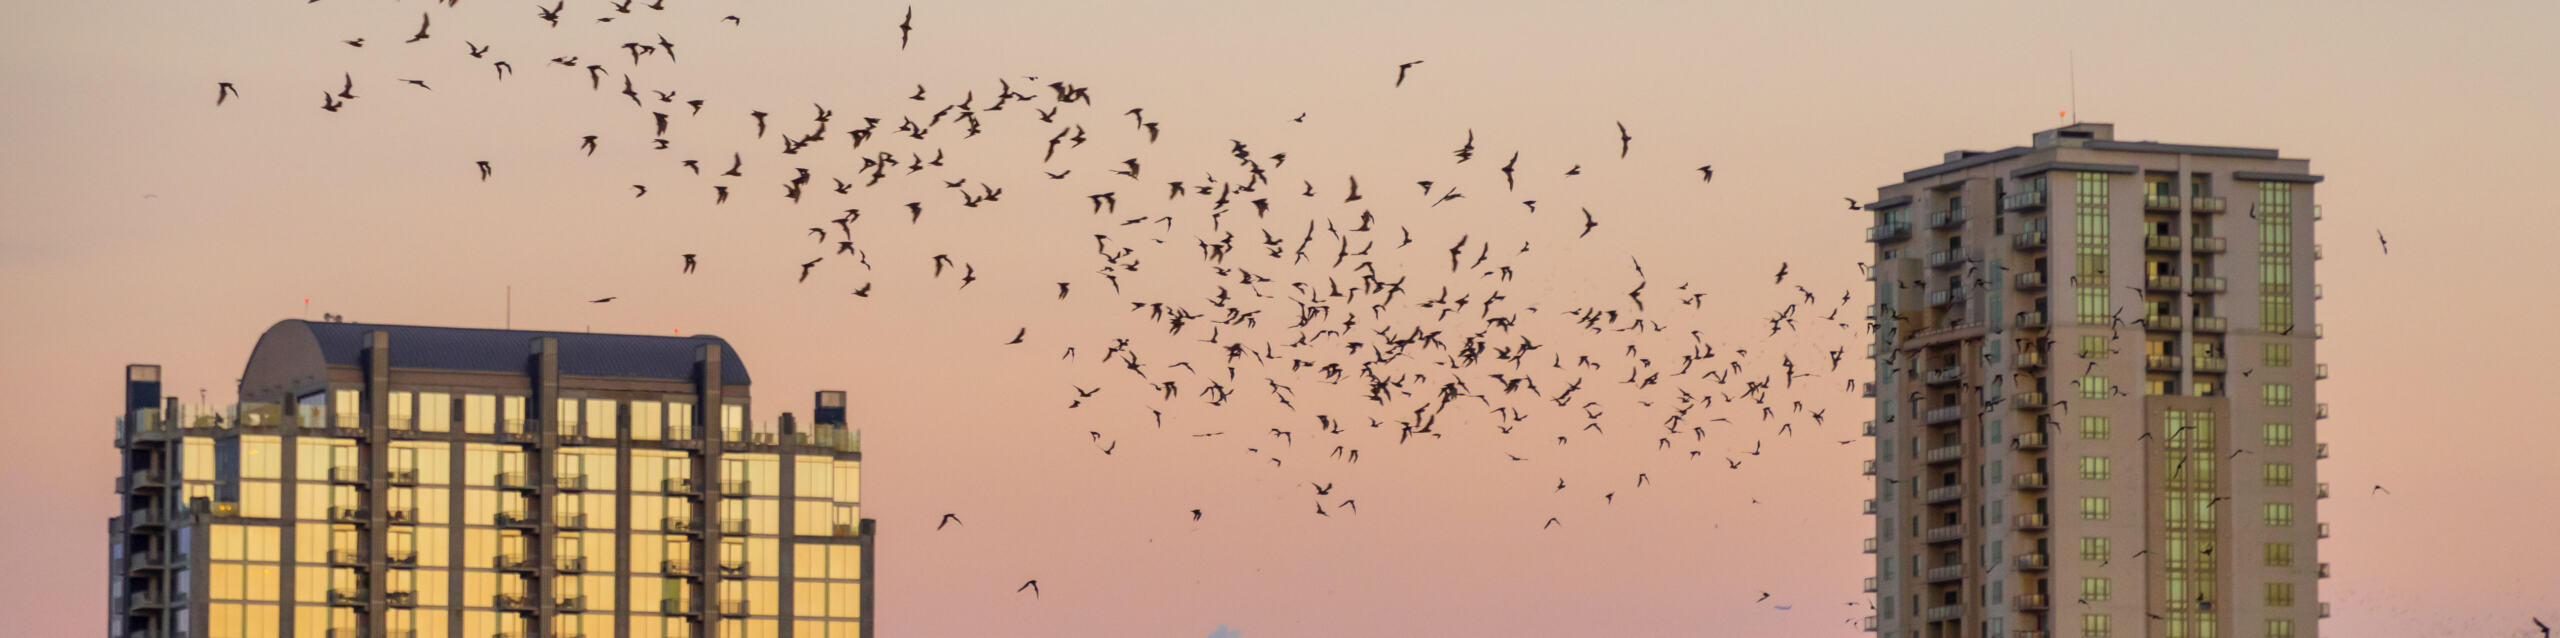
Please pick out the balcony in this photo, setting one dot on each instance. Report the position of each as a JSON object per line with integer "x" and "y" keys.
{"x": 1946, "y": 219}
{"x": 398, "y": 514}
{"x": 346, "y": 557}
{"x": 1939, "y": 495}
{"x": 2033, "y": 562}
{"x": 145, "y": 562}
{"x": 1870, "y": 467}
{"x": 2324, "y": 570}
{"x": 345, "y": 474}
{"x": 512, "y": 562}
{"x": 1948, "y": 454}
{"x": 677, "y": 607}
{"x": 2163, "y": 283}
{"x": 142, "y": 601}
{"x": 1944, "y": 613}
{"x": 2030, "y": 481}
{"x": 1870, "y": 546}
{"x": 518, "y": 519}
{"x": 1943, "y": 573}
{"x": 2034, "y": 320}
{"x": 1868, "y": 390}
{"x": 1945, "y": 297}
{"x": 734, "y": 488}
{"x": 148, "y": 479}
{"x": 2163, "y": 323}
{"x": 2162, "y": 243}
{"x": 2316, "y": 294}
{"x": 2320, "y": 491}
{"x": 2211, "y": 364}
{"x": 2030, "y": 360}
{"x": 733, "y": 526}
{"x": 1871, "y": 506}
{"x": 575, "y": 520}
{"x": 2215, "y": 325}
{"x": 2324, "y": 530}
{"x": 676, "y": 567}
{"x": 512, "y": 601}
{"x": 401, "y": 476}
{"x": 2031, "y": 602}
{"x": 1871, "y": 584}
{"x": 347, "y": 514}
{"x": 2161, "y": 363}
{"x": 1888, "y": 232}
{"x": 2324, "y": 609}
{"x": 677, "y": 524}
{"x": 1946, "y": 375}
{"x": 2031, "y": 522}
{"x": 2318, "y": 332}
{"x": 2320, "y": 412}
{"x": 1938, "y": 416}
{"x": 2209, "y": 244}
{"x": 1945, "y": 259}
{"x": 397, "y": 598}
{"x": 2029, "y": 281}
{"x": 2319, "y": 451}
{"x": 733, "y": 608}
{"x": 1869, "y": 624}
{"x": 1868, "y": 429}
{"x": 2030, "y": 200}
{"x": 573, "y": 482}
{"x": 2161, "y": 202}
{"x": 571, "y": 603}
{"x": 2031, "y": 400}
{"x": 2210, "y": 284}
{"x": 401, "y": 557}
{"x": 2031, "y": 441}
{"x": 347, "y": 596}
{"x": 2320, "y": 372}
{"x": 677, "y": 486}
{"x": 571, "y": 563}
{"x": 1947, "y": 534}
{"x": 2029, "y": 241}
{"x": 2315, "y": 252}
{"x": 514, "y": 481}
{"x": 2203, "y": 204}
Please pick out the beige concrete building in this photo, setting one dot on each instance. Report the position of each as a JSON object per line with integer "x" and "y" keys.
{"x": 2096, "y": 412}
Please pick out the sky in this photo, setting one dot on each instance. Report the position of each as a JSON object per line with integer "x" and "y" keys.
{"x": 140, "y": 223}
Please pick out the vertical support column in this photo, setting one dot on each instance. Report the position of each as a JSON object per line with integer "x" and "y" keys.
{"x": 376, "y": 463}
{"x": 709, "y": 362}
{"x": 789, "y": 476}
{"x": 541, "y": 467}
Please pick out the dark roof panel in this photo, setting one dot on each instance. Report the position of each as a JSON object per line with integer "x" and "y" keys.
{"x": 581, "y": 353}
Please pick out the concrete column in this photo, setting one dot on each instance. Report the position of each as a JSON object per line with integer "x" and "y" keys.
{"x": 376, "y": 450}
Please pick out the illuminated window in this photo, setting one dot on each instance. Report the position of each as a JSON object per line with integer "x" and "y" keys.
{"x": 2093, "y": 468}
{"x": 2279, "y": 554}
{"x": 435, "y": 412}
{"x": 404, "y": 411}
{"x": 2279, "y": 514}
{"x": 2093, "y": 427}
{"x": 2093, "y": 508}
{"x": 2093, "y": 387}
{"x": 2276, "y": 395}
{"x": 2277, "y": 434}
{"x": 479, "y": 413}
{"x": 2276, "y": 355}
{"x": 2279, "y": 594}
{"x": 2279, "y": 474}
{"x": 2279, "y": 628}
{"x": 2096, "y": 589}
{"x": 2093, "y": 548}
{"x": 603, "y": 418}
{"x": 2096, "y": 626}
{"x": 2093, "y": 347}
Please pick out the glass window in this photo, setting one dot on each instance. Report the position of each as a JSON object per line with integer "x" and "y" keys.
{"x": 349, "y": 406}
{"x": 2093, "y": 387}
{"x": 645, "y": 420}
{"x": 2093, "y": 508}
{"x": 2096, "y": 626}
{"x": 2093, "y": 468}
{"x": 480, "y": 413}
{"x": 568, "y": 417}
{"x": 2276, "y": 395}
{"x": 2096, "y": 590}
{"x": 2276, "y": 355}
{"x": 2093, "y": 427}
{"x": 604, "y": 418}
{"x": 2279, "y": 628}
{"x": 511, "y": 415}
{"x": 2279, "y": 474}
{"x": 404, "y": 411}
{"x": 2279, "y": 554}
{"x": 2093, "y": 548}
{"x": 2279, "y": 594}
{"x": 2279, "y": 514}
{"x": 435, "y": 412}
{"x": 2278, "y": 434}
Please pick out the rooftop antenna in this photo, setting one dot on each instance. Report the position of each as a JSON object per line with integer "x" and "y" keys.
{"x": 2075, "y": 86}
{"x": 511, "y": 307}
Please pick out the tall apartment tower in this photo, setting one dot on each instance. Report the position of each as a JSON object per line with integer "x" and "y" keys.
{"x": 2095, "y": 406}
{"x": 422, "y": 482}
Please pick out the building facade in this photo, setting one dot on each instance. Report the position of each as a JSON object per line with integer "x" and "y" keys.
{"x": 2096, "y": 412}
{"x": 416, "y": 482}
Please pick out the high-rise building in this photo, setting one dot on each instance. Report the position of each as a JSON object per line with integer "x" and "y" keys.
{"x": 2095, "y": 405}
{"x": 416, "y": 482}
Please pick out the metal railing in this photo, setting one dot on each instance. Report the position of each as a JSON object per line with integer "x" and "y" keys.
{"x": 1889, "y": 232}
{"x": 572, "y": 520}
{"x": 676, "y": 567}
{"x": 572, "y": 563}
{"x": 677, "y": 607}
{"x": 1938, "y": 495}
{"x": 1946, "y": 219}
{"x": 2030, "y": 280}
{"x": 1943, "y": 573}
{"x": 2031, "y": 481}
{"x": 347, "y": 514}
{"x": 573, "y": 482}
{"x": 514, "y": 481}
{"x": 2162, "y": 243}
{"x": 2031, "y": 441}
{"x": 2161, "y": 202}
{"x": 734, "y": 487}
{"x": 1943, "y": 454}
{"x": 2210, "y": 244}
{"x": 2022, "y": 201}
{"x": 2031, "y": 602}
{"x": 346, "y": 596}
{"x": 733, "y": 607}
{"x": 676, "y": 486}
{"x": 677, "y": 524}
{"x": 2029, "y": 240}
{"x": 2209, "y": 284}
{"x": 2031, "y": 522}
{"x": 1945, "y": 259}
{"x": 345, "y": 474}
{"x": 2212, "y": 324}
{"x": 2033, "y": 320}
{"x": 2164, "y": 323}
{"x": 511, "y": 601}
{"x": 1870, "y": 467}
{"x": 2161, "y": 363}
{"x": 2163, "y": 283}
{"x": 1946, "y": 534}
{"x": 2204, "y": 204}
{"x": 1948, "y": 414}
{"x": 2205, "y": 363}
{"x": 1944, "y": 612}
{"x": 1871, "y": 584}
{"x": 1871, "y": 506}
{"x": 2030, "y": 400}
{"x": 2033, "y": 562}
{"x": 401, "y": 476}
{"x": 517, "y": 518}
{"x": 733, "y": 526}
{"x": 1870, "y": 547}
{"x": 1946, "y": 375}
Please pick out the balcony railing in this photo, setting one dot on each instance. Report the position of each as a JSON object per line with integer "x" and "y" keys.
{"x": 2031, "y": 602}
{"x": 2205, "y": 204}
{"x": 2319, "y": 451}
{"x": 2031, "y": 522}
{"x": 1945, "y": 259}
{"x": 2324, "y": 570}
{"x": 573, "y": 520}
{"x": 1946, "y": 375}
{"x": 2022, "y": 201}
{"x": 345, "y": 474}
{"x": 1944, "y": 612}
{"x": 397, "y": 598}
{"x": 2164, "y": 323}
{"x": 1943, "y": 573}
{"x": 2324, "y": 610}
{"x": 2163, "y": 283}
{"x": 2030, "y": 481}
{"x": 2162, "y": 243}
{"x": 2031, "y": 359}
{"x": 2032, "y": 240}
{"x": 2033, "y": 320}
{"x": 516, "y": 519}
{"x": 1867, "y": 390}
{"x": 2211, "y": 364}
{"x": 677, "y": 524}
{"x": 571, "y": 603}
{"x": 346, "y": 557}
{"x": 572, "y": 563}
{"x": 2320, "y": 491}
{"x": 1870, "y": 467}
{"x": 734, "y": 488}
{"x": 2209, "y": 284}
{"x": 676, "y": 567}
{"x": 573, "y": 482}
{"x": 733, "y": 608}
{"x": 1871, "y": 584}
{"x": 2160, "y": 202}
{"x": 677, "y": 607}
{"x": 401, "y": 476}
{"x": 1943, "y": 455}
{"x": 347, "y": 596}
{"x": 1871, "y": 506}
{"x": 1947, "y": 534}
{"x": 2320, "y": 412}
{"x": 1867, "y": 429}
{"x": 1945, "y": 297}
{"x": 2029, "y": 400}
{"x": 2324, "y": 530}
{"x": 2316, "y": 294}
{"x": 401, "y": 556}
{"x": 400, "y": 514}
{"x": 514, "y": 481}
{"x": 512, "y": 562}
{"x": 1869, "y": 624}
{"x": 2161, "y": 363}
{"x": 2213, "y": 324}
{"x": 1889, "y": 232}
{"x": 677, "y": 486}
{"x": 1946, "y": 219}
{"x": 1939, "y": 495}
{"x": 2210, "y": 244}
{"x": 2029, "y": 281}
{"x": 2320, "y": 372}
{"x": 511, "y": 601}
{"x": 2031, "y": 441}
{"x": 733, "y": 526}
{"x": 2033, "y": 562}
{"x": 345, "y": 514}
{"x": 1948, "y": 414}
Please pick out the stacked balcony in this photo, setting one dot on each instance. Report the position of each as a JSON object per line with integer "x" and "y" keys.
{"x": 2031, "y": 441}
{"x": 2031, "y": 522}
{"x": 1939, "y": 495}
{"x": 2034, "y": 562}
{"x": 2031, "y": 481}
{"x": 1946, "y": 534}
{"x": 2030, "y": 200}
{"x": 1889, "y": 232}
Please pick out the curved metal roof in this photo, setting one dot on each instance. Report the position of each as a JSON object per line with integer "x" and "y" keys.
{"x": 480, "y": 349}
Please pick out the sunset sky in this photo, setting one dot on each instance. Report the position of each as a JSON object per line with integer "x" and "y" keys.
{"x": 140, "y": 223}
